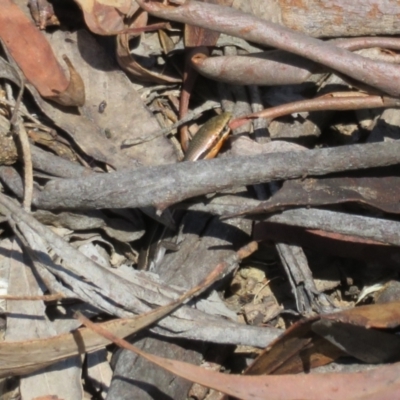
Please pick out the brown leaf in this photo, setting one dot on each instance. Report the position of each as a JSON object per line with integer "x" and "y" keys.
{"x": 283, "y": 387}
{"x": 386, "y": 315}
{"x": 297, "y": 350}
{"x": 74, "y": 94}
{"x": 345, "y": 332}
{"x": 34, "y": 56}
{"x": 107, "y": 17}
{"x": 129, "y": 62}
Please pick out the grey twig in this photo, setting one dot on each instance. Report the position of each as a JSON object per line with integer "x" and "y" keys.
{"x": 208, "y": 105}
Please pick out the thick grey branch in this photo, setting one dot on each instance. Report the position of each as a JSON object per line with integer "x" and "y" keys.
{"x": 165, "y": 185}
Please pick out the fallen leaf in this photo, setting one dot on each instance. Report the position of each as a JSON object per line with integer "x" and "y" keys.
{"x": 129, "y": 61}
{"x": 385, "y": 315}
{"x": 347, "y": 332}
{"x": 283, "y": 387}
{"x": 30, "y": 50}
{"x": 107, "y": 17}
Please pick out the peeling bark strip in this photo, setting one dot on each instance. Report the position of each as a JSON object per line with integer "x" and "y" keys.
{"x": 380, "y": 75}
{"x": 166, "y": 185}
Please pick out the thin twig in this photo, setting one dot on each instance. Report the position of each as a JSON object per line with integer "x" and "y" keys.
{"x": 22, "y": 112}
{"x": 208, "y": 105}
{"x": 323, "y": 103}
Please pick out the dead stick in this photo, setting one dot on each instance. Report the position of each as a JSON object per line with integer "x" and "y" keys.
{"x": 168, "y": 184}
{"x": 380, "y": 75}
{"x": 322, "y": 103}
{"x": 377, "y": 229}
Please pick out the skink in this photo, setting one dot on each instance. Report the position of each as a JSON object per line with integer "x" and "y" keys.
{"x": 209, "y": 139}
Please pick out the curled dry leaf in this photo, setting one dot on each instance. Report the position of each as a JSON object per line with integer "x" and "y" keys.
{"x": 320, "y": 340}
{"x": 127, "y": 60}
{"x": 107, "y": 17}
{"x": 113, "y": 17}
{"x": 34, "y": 56}
{"x": 74, "y": 94}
